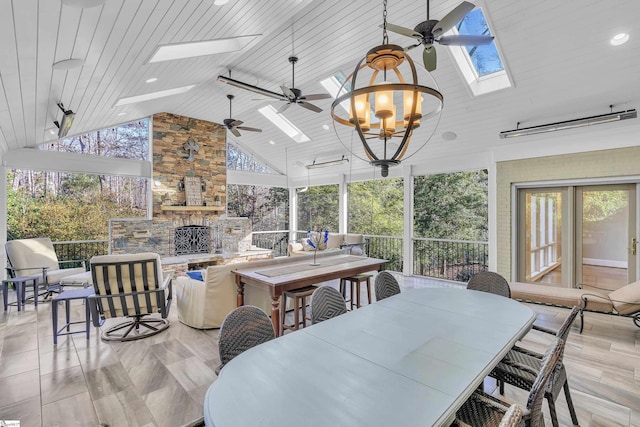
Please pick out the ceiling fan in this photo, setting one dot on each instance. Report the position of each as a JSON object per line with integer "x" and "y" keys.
{"x": 291, "y": 95}
{"x": 233, "y": 125}
{"x": 294, "y": 95}
{"x": 430, "y": 31}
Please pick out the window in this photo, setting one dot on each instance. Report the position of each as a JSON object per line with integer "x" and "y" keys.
{"x": 125, "y": 141}
{"x": 481, "y": 66}
{"x": 241, "y": 161}
{"x": 318, "y": 208}
{"x": 376, "y": 207}
{"x": 266, "y": 207}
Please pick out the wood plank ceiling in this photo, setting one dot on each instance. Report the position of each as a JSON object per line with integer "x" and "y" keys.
{"x": 557, "y": 53}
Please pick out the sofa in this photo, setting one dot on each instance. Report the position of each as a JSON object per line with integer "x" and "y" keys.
{"x": 336, "y": 241}
{"x": 203, "y": 304}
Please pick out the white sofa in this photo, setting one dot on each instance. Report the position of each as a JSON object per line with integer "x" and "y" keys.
{"x": 205, "y": 304}
{"x": 336, "y": 241}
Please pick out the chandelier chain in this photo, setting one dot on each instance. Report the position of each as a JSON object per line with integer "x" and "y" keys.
{"x": 385, "y": 38}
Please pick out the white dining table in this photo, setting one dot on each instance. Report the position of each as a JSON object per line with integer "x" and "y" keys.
{"x": 408, "y": 360}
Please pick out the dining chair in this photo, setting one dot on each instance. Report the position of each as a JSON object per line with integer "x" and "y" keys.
{"x": 488, "y": 281}
{"x": 132, "y": 286}
{"x": 243, "y": 328}
{"x": 492, "y": 413}
{"x": 326, "y": 303}
{"x": 510, "y": 370}
{"x": 386, "y": 285}
{"x": 474, "y": 415}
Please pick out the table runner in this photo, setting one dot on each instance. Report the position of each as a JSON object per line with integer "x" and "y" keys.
{"x": 298, "y": 267}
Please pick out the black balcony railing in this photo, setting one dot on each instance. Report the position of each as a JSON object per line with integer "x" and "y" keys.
{"x": 277, "y": 241}
{"x": 79, "y": 250}
{"x": 386, "y": 247}
{"x": 456, "y": 260}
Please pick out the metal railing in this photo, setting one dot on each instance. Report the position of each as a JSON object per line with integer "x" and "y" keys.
{"x": 277, "y": 241}
{"x": 386, "y": 247}
{"x": 79, "y": 250}
{"x": 456, "y": 260}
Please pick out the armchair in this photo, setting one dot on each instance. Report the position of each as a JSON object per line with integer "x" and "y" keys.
{"x": 130, "y": 285}
{"x": 37, "y": 256}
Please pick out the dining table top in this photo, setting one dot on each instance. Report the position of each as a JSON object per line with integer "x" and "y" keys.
{"x": 411, "y": 359}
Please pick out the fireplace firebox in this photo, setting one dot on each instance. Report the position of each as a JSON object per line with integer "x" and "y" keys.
{"x": 192, "y": 239}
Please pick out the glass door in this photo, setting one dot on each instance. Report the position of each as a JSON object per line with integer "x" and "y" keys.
{"x": 540, "y": 242}
{"x": 606, "y": 235}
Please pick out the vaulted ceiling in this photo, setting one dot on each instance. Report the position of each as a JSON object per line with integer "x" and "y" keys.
{"x": 558, "y": 56}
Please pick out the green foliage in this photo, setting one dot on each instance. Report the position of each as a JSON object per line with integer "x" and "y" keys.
{"x": 266, "y": 207}
{"x": 451, "y": 206}
{"x": 376, "y": 207}
{"x": 318, "y": 208}
{"x": 601, "y": 205}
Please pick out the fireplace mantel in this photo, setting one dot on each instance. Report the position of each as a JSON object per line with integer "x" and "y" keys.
{"x": 192, "y": 208}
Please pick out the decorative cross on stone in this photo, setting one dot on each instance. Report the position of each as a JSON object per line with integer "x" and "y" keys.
{"x": 192, "y": 147}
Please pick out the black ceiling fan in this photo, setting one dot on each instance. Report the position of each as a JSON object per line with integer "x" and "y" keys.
{"x": 430, "y": 31}
{"x": 294, "y": 95}
{"x": 233, "y": 125}
{"x": 290, "y": 95}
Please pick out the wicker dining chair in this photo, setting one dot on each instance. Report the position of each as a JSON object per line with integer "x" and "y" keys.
{"x": 492, "y": 413}
{"x": 386, "y": 285}
{"x": 243, "y": 328}
{"x": 326, "y": 303}
{"x": 488, "y": 281}
{"x": 509, "y": 373}
{"x": 476, "y": 415}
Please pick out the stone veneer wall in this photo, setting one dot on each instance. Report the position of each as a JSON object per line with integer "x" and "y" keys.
{"x": 170, "y": 165}
{"x": 598, "y": 164}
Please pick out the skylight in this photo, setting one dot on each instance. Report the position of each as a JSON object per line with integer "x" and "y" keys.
{"x": 152, "y": 95}
{"x": 283, "y": 123}
{"x": 332, "y": 86}
{"x": 169, "y": 52}
{"x": 481, "y": 66}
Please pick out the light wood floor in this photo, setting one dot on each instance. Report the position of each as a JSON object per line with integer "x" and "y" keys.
{"x": 607, "y": 278}
{"x": 162, "y": 380}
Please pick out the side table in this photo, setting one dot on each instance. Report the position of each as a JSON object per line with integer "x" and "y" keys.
{"x": 20, "y": 284}
{"x": 67, "y": 297}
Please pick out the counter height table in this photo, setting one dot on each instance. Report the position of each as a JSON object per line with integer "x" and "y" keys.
{"x": 409, "y": 360}
{"x": 298, "y": 273}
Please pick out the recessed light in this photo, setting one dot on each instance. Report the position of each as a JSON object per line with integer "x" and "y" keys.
{"x": 169, "y": 52}
{"x": 68, "y": 64}
{"x": 220, "y": 2}
{"x": 449, "y": 136}
{"x": 272, "y": 142}
{"x": 151, "y": 80}
{"x": 325, "y": 127}
{"x": 121, "y": 114}
{"x": 152, "y": 95}
{"x": 52, "y": 131}
{"x": 619, "y": 39}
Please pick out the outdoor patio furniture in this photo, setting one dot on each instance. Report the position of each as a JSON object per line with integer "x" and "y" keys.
{"x": 299, "y": 297}
{"x": 488, "y": 281}
{"x": 66, "y": 297}
{"x": 133, "y": 286}
{"x": 512, "y": 373}
{"x": 492, "y": 413}
{"x": 37, "y": 256}
{"x": 20, "y": 284}
{"x": 354, "y": 288}
{"x": 326, "y": 303}
{"x": 386, "y": 285}
{"x": 475, "y": 415}
{"x": 245, "y": 327}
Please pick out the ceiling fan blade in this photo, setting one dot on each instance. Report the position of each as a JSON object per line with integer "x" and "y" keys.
{"x": 251, "y": 88}
{"x": 249, "y": 129}
{"x": 236, "y": 123}
{"x": 465, "y": 40}
{"x": 288, "y": 92}
{"x": 283, "y": 108}
{"x": 315, "y": 96}
{"x": 309, "y": 106}
{"x": 404, "y": 31}
{"x": 429, "y": 58}
{"x": 408, "y": 48}
{"x": 235, "y": 131}
{"x": 452, "y": 18}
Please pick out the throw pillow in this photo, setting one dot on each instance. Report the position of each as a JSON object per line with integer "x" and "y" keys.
{"x": 196, "y": 275}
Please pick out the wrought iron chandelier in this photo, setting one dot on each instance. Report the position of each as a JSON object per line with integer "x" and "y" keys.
{"x": 388, "y": 111}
